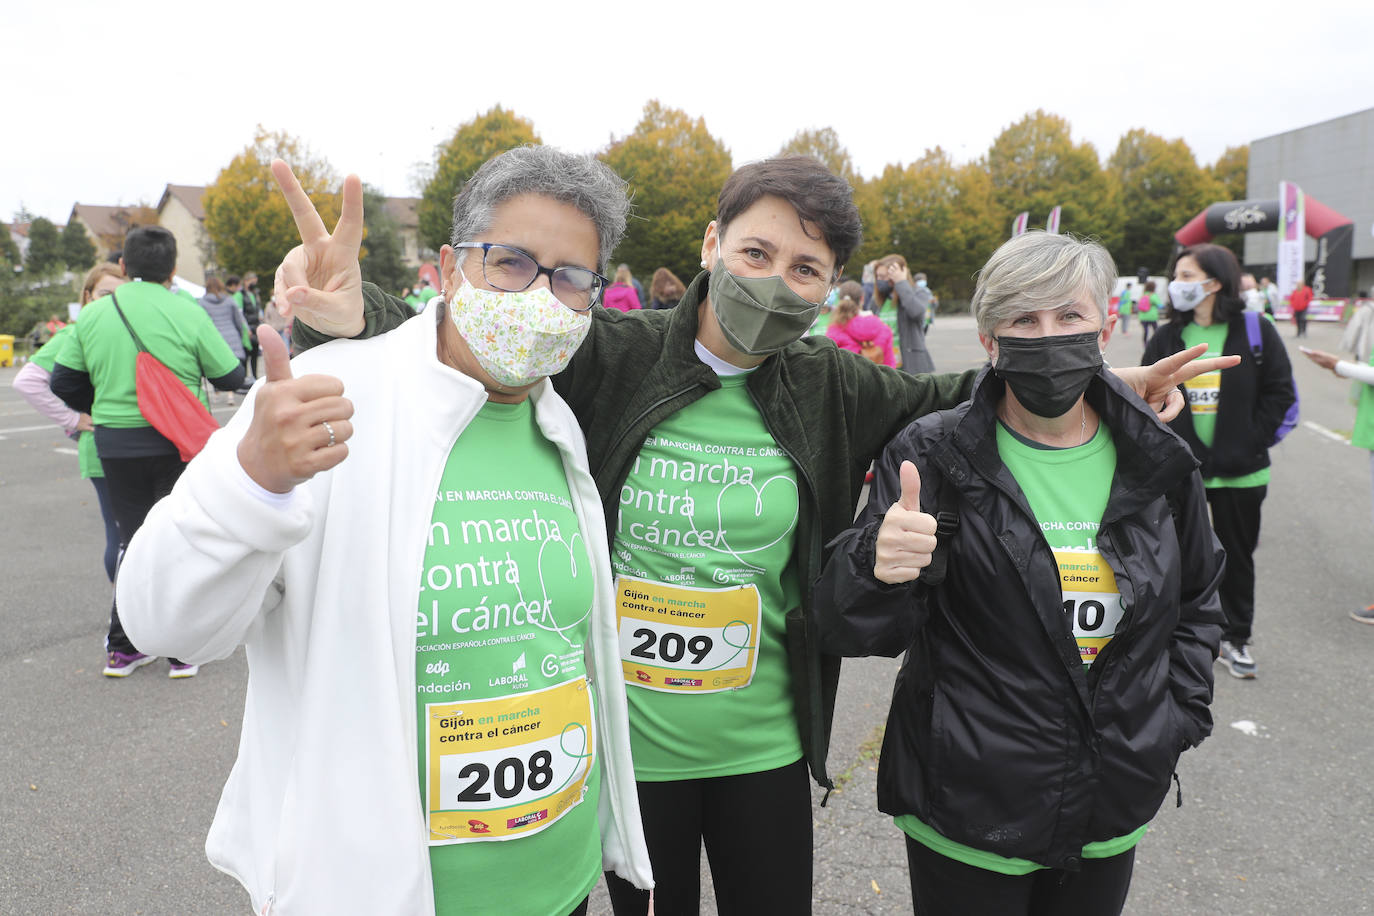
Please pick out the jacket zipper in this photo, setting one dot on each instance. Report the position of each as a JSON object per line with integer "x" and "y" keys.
{"x": 813, "y": 548}
{"x": 639, "y": 419}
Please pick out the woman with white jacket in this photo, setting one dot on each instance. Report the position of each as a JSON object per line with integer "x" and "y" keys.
{"x": 435, "y": 720}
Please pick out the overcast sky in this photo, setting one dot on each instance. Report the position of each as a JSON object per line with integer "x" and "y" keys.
{"x": 108, "y": 103}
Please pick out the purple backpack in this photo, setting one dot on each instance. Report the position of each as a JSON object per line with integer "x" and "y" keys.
{"x": 1252, "y": 334}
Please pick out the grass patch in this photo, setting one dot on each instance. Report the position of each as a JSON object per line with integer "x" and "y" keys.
{"x": 868, "y": 753}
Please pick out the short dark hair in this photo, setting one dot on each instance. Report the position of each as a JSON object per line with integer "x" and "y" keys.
{"x": 1219, "y": 264}
{"x": 818, "y": 196}
{"x": 150, "y": 254}
{"x": 232, "y": 280}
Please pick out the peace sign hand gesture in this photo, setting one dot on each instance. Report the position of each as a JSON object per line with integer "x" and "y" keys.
{"x": 319, "y": 280}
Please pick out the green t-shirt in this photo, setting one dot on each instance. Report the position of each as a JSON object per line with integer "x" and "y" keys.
{"x": 1363, "y": 436}
{"x": 1204, "y": 399}
{"x": 180, "y": 334}
{"x": 822, "y": 322}
{"x": 1152, "y": 302}
{"x": 504, "y": 713}
{"x": 1067, "y": 489}
{"x": 703, "y": 551}
{"x": 45, "y": 358}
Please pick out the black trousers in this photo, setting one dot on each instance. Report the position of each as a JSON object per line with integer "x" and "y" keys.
{"x": 757, "y": 831}
{"x": 102, "y": 495}
{"x": 941, "y": 886}
{"x": 135, "y": 484}
{"x": 1236, "y": 521}
{"x": 1300, "y": 319}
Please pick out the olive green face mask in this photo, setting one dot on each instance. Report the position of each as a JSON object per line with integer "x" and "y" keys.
{"x": 758, "y": 315}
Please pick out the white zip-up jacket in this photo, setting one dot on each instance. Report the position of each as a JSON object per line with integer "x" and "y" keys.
{"x": 322, "y": 810}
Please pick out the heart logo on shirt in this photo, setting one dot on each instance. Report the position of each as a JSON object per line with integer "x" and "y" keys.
{"x": 767, "y": 512}
{"x": 556, "y": 555}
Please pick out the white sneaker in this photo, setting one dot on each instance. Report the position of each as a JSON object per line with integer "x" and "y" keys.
{"x": 1237, "y": 660}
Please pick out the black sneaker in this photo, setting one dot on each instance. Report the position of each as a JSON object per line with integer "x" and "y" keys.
{"x": 1366, "y": 615}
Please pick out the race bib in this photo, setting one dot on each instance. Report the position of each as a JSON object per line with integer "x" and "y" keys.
{"x": 1204, "y": 392}
{"x": 506, "y": 767}
{"x": 1091, "y": 600}
{"x": 682, "y": 639}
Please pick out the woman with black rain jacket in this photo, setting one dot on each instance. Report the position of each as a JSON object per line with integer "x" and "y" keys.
{"x": 1059, "y": 619}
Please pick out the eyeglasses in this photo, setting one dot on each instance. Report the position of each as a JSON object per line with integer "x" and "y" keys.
{"x": 512, "y": 270}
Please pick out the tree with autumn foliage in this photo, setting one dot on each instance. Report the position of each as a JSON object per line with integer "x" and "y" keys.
{"x": 941, "y": 217}
{"x": 472, "y": 144}
{"x": 675, "y": 170}
{"x": 1162, "y": 187}
{"x": 823, "y": 145}
{"x": 249, "y": 225}
{"x": 1232, "y": 173}
{"x": 1035, "y": 165}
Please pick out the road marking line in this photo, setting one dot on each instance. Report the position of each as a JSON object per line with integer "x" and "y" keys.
{"x": 67, "y": 451}
{"x": 1323, "y": 431}
{"x": 27, "y": 429}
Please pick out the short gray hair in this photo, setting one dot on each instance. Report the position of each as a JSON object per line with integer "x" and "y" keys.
{"x": 1038, "y": 271}
{"x": 584, "y": 182}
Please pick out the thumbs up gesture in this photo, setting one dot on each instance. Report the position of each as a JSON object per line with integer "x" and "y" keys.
{"x": 299, "y": 425}
{"x": 906, "y": 537}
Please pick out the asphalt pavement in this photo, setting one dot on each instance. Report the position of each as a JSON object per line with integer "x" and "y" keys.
{"x": 107, "y": 787}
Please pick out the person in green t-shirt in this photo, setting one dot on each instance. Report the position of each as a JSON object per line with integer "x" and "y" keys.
{"x": 1363, "y": 435}
{"x": 1231, "y": 421}
{"x": 1058, "y": 621}
{"x": 1147, "y": 310}
{"x": 33, "y": 384}
{"x": 95, "y": 373}
{"x": 436, "y": 719}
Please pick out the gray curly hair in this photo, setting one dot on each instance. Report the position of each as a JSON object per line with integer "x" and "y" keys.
{"x": 584, "y": 182}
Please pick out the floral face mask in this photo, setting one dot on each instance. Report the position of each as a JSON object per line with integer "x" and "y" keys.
{"x": 518, "y": 338}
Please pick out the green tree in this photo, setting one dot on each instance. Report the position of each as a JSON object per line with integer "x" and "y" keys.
{"x": 472, "y": 144}
{"x": 382, "y": 258}
{"x": 1162, "y": 187}
{"x": 26, "y": 300}
{"x": 78, "y": 251}
{"x": 246, "y": 218}
{"x": 1035, "y": 166}
{"x": 9, "y": 251}
{"x": 45, "y": 247}
{"x": 823, "y": 144}
{"x": 675, "y": 170}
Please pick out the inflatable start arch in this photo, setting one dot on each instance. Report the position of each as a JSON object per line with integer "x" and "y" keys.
{"x": 1335, "y": 235}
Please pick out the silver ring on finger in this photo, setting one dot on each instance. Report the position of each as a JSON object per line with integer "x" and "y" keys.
{"x": 329, "y": 429}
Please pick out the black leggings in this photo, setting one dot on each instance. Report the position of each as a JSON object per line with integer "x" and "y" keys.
{"x": 135, "y": 484}
{"x": 941, "y": 886}
{"x": 757, "y": 831}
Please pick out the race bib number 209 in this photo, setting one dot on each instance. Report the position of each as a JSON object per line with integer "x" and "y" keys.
{"x": 682, "y": 639}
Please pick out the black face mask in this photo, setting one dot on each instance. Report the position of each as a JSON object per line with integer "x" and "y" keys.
{"x": 885, "y": 287}
{"x": 1048, "y": 374}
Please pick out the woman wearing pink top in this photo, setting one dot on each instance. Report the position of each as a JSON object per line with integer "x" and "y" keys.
{"x": 856, "y": 331}
{"x": 621, "y": 293}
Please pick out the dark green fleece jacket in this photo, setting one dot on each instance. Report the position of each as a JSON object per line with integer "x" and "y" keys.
{"x": 831, "y": 411}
